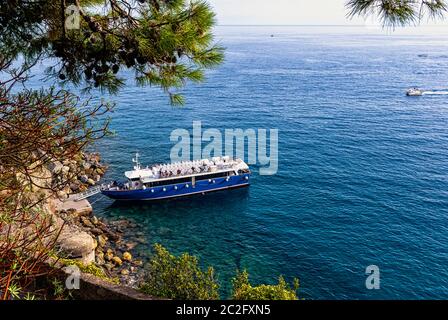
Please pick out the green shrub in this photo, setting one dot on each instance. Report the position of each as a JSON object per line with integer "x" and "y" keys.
{"x": 91, "y": 268}
{"x": 243, "y": 290}
{"x": 180, "y": 277}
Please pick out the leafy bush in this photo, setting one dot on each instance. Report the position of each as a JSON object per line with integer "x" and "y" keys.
{"x": 243, "y": 290}
{"x": 180, "y": 277}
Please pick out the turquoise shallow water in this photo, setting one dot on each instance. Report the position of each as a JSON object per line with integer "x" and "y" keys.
{"x": 363, "y": 169}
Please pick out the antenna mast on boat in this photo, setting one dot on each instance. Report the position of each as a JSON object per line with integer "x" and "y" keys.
{"x": 137, "y": 163}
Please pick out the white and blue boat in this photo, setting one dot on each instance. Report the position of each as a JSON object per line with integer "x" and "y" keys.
{"x": 168, "y": 181}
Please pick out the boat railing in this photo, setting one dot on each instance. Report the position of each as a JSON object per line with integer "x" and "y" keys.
{"x": 209, "y": 169}
{"x": 88, "y": 193}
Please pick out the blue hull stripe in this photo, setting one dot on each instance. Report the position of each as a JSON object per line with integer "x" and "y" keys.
{"x": 179, "y": 190}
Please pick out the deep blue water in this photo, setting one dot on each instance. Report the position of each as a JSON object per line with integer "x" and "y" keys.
{"x": 363, "y": 172}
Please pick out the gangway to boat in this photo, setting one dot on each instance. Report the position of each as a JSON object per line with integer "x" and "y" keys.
{"x": 87, "y": 194}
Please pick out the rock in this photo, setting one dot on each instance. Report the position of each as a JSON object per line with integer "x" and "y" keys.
{"x": 74, "y": 186}
{"x": 141, "y": 240}
{"x": 130, "y": 245}
{"x": 75, "y": 208}
{"x": 83, "y": 178}
{"x": 90, "y": 182}
{"x": 77, "y": 244}
{"x": 100, "y": 258}
{"x": 117, "y": 261}
{"x": 102, "y": 240}
{"x": 78, "y": 158}
{"x": 94, "y": 220}
{"x": 97, "y": 178}
{"x": 109, "y": 266}
{"x": 55, "y": 167}
{"x": 73, "y": 167}
{"x": 124, "y": 272}
{"x": 86, "y": 165}
{"x": 127, "y": 256}
{"x": 86, "y": 222}
{"x": 65, "y": 170}
{"x": 82, "y": 188}
{"x": 62, "y": 195}
{"x": 67, "y": 189}
{"x": 96, "y": 231}
{"x": 111, "y": 235}
{"x": 120, "y": 224}
{"x": 138, "y": 263}
{"x": 109, "y": 256}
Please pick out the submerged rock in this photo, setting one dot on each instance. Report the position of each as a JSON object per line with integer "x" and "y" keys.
{"x": 138, "y": 263}
{"x": 130, "y": 245}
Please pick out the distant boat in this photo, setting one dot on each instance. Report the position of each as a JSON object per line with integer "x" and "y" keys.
{"x": 166, "y": 181}
{"x": 413, "y": 92}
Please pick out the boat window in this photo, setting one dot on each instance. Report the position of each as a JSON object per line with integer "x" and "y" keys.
{"x": 214, "y": 176}
{"x": 168, "y": 182}
{"x": 188, "y": 180}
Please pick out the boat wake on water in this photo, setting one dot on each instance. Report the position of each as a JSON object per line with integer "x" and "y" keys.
{"x": 429, "y": 93}
{"x": 420, "y": 92}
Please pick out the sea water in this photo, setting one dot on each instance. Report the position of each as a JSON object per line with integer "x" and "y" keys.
{"x": 363, "y": 172}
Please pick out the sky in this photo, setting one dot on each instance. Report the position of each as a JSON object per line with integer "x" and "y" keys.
{"x": 284, "y": 12}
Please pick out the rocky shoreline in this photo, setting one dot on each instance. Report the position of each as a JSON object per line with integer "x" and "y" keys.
{"x": 84, "y": 171}
{"x": 111, "y": 252}
{"x": 87, "y": 238}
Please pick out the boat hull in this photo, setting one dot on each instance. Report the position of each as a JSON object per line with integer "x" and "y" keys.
{"x": 179, "y": 190}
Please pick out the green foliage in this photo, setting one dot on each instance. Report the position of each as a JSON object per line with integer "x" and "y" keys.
{"x": 243, "y": 290}
{"x": 58, "y": 289}
{"x": 164, "y": 42}
{"x": 179, "y": 277}
{"x": 394, "y": 13}
{"x": 91, "y": 268}
{"x": 14, "y": 291}
{"x": 29, "y": 296}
